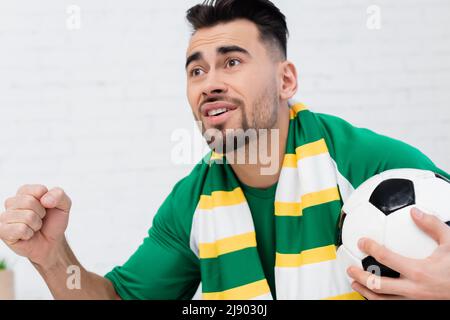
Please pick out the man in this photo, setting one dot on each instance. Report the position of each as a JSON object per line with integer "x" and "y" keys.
{"x": 243, "y": 232}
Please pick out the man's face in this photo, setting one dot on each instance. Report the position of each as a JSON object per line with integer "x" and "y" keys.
{"x": 231, "y": 78}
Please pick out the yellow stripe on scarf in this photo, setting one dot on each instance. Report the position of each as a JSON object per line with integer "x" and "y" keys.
{"x": 295, "y": 109}
{"x": 221, "y": 199}
{"x": 347, "y": 296}
{"x": 308, "y": 150}
{"x": 311, "y": 149}
{"x": 290, "y": 161}
{"x": 248, "y": 291}
{"x": 307, "y": 200}
{"x": 311, "y": 256}
{"x": 227, "y": 245}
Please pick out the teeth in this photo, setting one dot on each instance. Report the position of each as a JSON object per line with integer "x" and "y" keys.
{"x": 217, "y": 111}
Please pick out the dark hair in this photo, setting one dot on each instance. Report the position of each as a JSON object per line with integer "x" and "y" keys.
{"x": 268, "y": 18}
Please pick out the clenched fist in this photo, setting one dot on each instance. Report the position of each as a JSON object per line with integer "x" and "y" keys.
{"x": 34, "y": 222}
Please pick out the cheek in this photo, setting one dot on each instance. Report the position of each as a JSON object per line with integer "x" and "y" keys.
{"x": 252, "y": 88}
{"x": 193, "y": 97}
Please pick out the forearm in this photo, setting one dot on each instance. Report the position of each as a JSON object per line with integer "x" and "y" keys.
{"x": 67, "y": 279}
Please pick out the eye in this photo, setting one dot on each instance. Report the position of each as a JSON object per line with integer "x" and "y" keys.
{"x": 233, "y": 62}
{"x": 196, "y": 72}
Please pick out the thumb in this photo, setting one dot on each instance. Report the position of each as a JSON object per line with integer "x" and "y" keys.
{"x": 431, "y": 225}
{"x": 56, "y": 198}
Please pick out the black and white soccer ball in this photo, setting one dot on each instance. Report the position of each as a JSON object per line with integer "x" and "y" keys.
{"x": 380, "y": 209}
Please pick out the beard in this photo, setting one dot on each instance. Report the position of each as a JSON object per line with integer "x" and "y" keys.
{"x": 264, "y": 115}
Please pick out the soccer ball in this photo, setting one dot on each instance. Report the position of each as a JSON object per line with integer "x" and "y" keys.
{"x": 380, "y": 209}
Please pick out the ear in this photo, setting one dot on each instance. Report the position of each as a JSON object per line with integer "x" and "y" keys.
{"x": 288, "y": 83}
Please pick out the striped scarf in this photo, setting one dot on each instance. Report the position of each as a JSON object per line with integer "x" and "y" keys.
{"x": 307, "y": 207}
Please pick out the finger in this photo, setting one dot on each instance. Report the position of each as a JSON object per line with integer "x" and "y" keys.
{"x": 28, "y": 217}
{"x": 11, "y": 233}
{"x": 35, "y": 190}
{"x": 431, "y": 225}
{"x": 56, "y": 198}
{"x": 381, "y": 285}
{"x": 388, "y": 258}
{"x": 370, "y": 295}
{"x": 25, "y": 202}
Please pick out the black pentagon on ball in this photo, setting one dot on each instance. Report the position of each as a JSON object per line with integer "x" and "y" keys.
{"x": 392, "y": 195}
{"x": 370, "y": 264}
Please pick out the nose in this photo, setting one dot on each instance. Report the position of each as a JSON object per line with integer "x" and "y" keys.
{"x": 214, "y": 85}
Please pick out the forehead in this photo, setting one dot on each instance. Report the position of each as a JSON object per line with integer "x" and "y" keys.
{"x": 240, "y": 32}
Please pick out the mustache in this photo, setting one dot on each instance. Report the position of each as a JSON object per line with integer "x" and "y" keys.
{"x": 224, "y": 98}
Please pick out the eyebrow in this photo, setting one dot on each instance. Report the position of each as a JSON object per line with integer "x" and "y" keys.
{"x": 193, "y": 57}
{"x": 228, "y": 49}
{"x": 220, "y": 50}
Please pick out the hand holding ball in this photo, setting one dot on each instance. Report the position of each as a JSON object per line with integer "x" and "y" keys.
{"x": 380, "y": 209}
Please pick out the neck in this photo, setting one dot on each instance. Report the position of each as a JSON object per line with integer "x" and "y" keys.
{"x": 265, "y": 171}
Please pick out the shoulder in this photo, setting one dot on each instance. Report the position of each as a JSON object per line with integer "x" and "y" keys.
{"x": 360, "y": 153}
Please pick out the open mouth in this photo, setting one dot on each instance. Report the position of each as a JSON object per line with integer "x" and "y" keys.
{"x": 217, "y": 112}
{"x": 217, "y": 109}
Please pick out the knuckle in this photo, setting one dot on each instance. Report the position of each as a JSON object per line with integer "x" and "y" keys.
{"x": 29, "y": 217}
{"x": 21, "y": 230}
{"x": 28, "y": 235}
{"x": 418, "y": 275}
{"x": 28, "y": 202}
{"x": 23, "y": 188}
{"x": 58, "y": 191}
{"x": 39, "y": 224}
{"x": 37, "y": 187}
{"x": 41, "y": 188}
{"x": 34, "y": 187}
{"x": 35, "y": 220}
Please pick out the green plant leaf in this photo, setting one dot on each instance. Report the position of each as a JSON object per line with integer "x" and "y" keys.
{"x": 3, "y": 265}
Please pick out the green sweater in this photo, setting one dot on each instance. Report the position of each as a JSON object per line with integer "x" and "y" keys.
{"x": 164, "y": 267}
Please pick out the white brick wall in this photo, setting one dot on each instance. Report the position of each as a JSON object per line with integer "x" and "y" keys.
{"x": 92, "y": 110}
